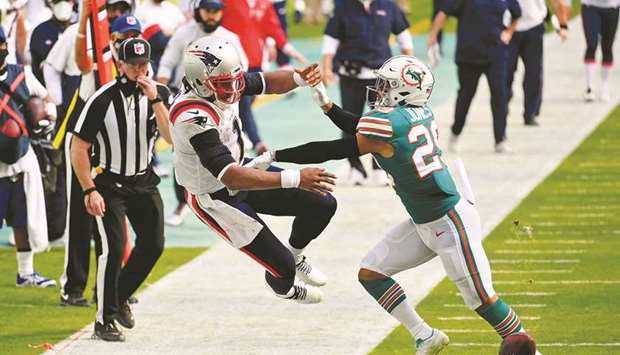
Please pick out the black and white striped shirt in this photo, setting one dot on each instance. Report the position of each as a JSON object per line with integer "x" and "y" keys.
{"x": 120, "y": 123}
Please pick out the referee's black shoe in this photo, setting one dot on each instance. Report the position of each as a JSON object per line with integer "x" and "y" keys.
{"x": 108, "y": 332}
{"x": 124, "y": 316}
{"x": 75, "y": 300}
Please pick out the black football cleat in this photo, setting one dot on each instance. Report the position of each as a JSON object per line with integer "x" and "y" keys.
{"x": 125, "y": 317}
{"x": 108, "y": 332}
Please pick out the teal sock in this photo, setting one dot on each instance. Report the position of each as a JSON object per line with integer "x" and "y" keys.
{"x": 391, "y": 297}
{"x": 501, "y": 317}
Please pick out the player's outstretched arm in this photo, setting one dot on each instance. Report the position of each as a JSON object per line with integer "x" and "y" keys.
{"x": 345, "y": 120}
{"x": 283, "y": 81}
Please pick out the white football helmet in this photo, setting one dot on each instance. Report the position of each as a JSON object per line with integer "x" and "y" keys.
{"x": 212, "y": 67}
{"x": 401, "y": 80}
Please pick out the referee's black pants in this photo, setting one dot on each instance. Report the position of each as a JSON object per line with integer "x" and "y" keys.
{"x": 79, "y": 231}
{"x": 353, "y": 97}
{"x": 496, "y": 73}
{"x": 138, "y": 199}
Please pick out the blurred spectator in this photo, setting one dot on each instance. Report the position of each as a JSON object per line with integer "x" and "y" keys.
{"x": 315, "y": 10}
{"x": 405, "y": 5}
{"x": 45, "y": 35}
{"x": 13, "y": 21}
{"x": 356, "y": 42}
{"x": 279, "y": 6}
{"x": 21, "y": 190}
{"x": 600, "y": 20}
{"x": 160, "y": 19}
{"x": 527, "y": 44}
{"x": 481, "y": 48}
{"x": 254, "y": 21}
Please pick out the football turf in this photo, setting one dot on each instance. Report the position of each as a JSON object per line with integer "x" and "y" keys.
{"x": 31, "y": 317}
{"x": 564, "y": 279}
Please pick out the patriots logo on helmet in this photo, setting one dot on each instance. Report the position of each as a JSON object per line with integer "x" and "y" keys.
{"x": 209, "y": 60}
{"x": 412, "y": 75}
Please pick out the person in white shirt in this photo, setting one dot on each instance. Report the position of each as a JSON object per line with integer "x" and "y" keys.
{"x": 161, "y": 12}
{"x": 527, "y": 44}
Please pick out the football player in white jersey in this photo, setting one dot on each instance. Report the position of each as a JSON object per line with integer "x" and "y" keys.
{"x": 225, "y": 195}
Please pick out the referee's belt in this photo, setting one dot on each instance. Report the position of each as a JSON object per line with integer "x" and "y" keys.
{"x": 120, "y": 178}
{"x": 362, "y": 72}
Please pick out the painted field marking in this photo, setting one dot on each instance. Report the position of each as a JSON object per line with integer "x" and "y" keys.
{"x": 468, "y": 330}
{"x": 547, "y": 345}
{"x": 535, "y": 261}
{"x": 539, "y": 251}
{"x": 554, "y": 241}
{"x": 478, "y": 318}
{"x": 553, "y": 271}
{"x": 561, "y": 282}
{"x": 518, "y": 305}
{"x": 529, "y": 294}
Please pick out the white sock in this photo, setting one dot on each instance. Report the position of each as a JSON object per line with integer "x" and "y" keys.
{"x": 605, "y": 71}
{"x": 296, "y": 252}
{"x": 25, "y": 263}
{"x": 405, "y": 314}
{"x": 590, "y": 70}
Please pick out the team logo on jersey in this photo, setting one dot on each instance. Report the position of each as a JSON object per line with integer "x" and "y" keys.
{"x": 138, "y": 48}
{"x": 412, "y": 75}
{"x": 209, "y": 60}
{"x": 202, "y": 121}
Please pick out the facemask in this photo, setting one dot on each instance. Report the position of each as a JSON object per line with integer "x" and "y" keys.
{"x": 62, "y": 10}
{"x": 3, "y": 54}
{"x": 209, "y": 28}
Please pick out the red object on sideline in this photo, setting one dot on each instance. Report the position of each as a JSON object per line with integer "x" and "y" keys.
{"x": 128, "y": 247}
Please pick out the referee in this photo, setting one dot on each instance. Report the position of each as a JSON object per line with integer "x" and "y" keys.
{"x": 120, "y": 122}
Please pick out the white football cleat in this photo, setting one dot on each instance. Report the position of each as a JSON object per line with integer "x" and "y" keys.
{"x": 177, "y": 217}
{"x": 433, "y": 344}
{"x": 304, "y": 294}
{"x": 503, "y": 148}
{"x": 589, "y": 95}
{"x": 307, "y": 273}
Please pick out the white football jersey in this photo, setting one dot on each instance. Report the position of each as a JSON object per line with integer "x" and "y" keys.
{"x": 191, "y": 115}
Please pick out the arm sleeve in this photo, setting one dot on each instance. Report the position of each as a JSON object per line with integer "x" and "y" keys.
{"x": 514, "y": 8}
{"x": 34, "y": 86}
{"x": 318, "y": 152}
{"x": 213, "y": 154}
{"x": 52, "y": 82}
{"x": 330, "y": 45}
{"x": 404, "y": 40}
{"x": 172, "y": 55}
{"x": 58, "y": 56}
{"x": 345, "y": 120}
{"x": 254, "y": 84}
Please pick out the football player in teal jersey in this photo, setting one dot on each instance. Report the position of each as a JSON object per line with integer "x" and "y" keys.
{"x": 401, "y": 134}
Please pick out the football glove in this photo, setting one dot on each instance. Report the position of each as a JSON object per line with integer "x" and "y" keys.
{"x": 261, "y": 162}
{"x": 319, "y": 94}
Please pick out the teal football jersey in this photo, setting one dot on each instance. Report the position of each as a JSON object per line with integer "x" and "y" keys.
{"x": 421, "y": 179}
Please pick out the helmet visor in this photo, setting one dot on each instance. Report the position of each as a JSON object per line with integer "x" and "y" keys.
{"x": 377, "y": 95}
{"x": 228, "y": 88}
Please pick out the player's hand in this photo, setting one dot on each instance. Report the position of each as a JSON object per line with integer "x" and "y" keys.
{"x": 95, "y": 205}
{"x": 148, "y": 86}
{"x": 261, "y": 162}
{"x": 505, "y": 36}
{"x": 310, "y": 74}
{"x": 317, "y": 180}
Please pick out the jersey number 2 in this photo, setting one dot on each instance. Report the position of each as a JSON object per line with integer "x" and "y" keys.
{"x": 421, "y": 155}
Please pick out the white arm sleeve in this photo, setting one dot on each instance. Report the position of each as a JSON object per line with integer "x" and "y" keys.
{"x": 330, "y": 45}
{"x": 37, "y": 89}
{"x": 53, "y": 80}
{"x": 172, "y": 55}
{"x": 404, "y": 40}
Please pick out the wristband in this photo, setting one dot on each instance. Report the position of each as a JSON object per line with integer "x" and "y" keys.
{"x": 290, "y": 179}
{"x": 89, "y": 191}
{"x": 319, "y": 94}
{"x": 298, "y": 80}
{"x": 155, "y": 100}
{"x": 564, "y": 26}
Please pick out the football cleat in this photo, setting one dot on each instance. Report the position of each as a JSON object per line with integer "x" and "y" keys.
{"x": 589, "y": 95}
{"x": 433, "y": 344}
{"x": 74, "y": 300}
{"x": 125, "y": 317}
{"x": 304, "y": 294}
{"x": 503, "y": 148}
{"x": 108, "y": 332}
{"x": 309, "y": 274}
{"x": 34, "y": 280}
{"x": 176, "y": 217}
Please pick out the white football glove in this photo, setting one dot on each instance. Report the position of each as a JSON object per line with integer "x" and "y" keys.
{"x": 319, "y": 94}
{"x": 261, "y": 162}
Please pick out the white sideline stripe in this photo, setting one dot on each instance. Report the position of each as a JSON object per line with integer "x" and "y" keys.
{"x": 554, "y": 271}
{"x": 535, "y": 261}
{"x": 539, "y": 251}
{"x": 562, "y": 282}
{"x": 468, "y": 331}
{"x": 478, "y": 318}
{"x": 547, "y": 345}
{"x": 531, "y": 294}
{"x": 518, "y": 305}
{"x": 554, "y": 241}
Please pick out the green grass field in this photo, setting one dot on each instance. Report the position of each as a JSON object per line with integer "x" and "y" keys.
{"x": 29, "y": 317}
{"x": 566, "y": 291}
